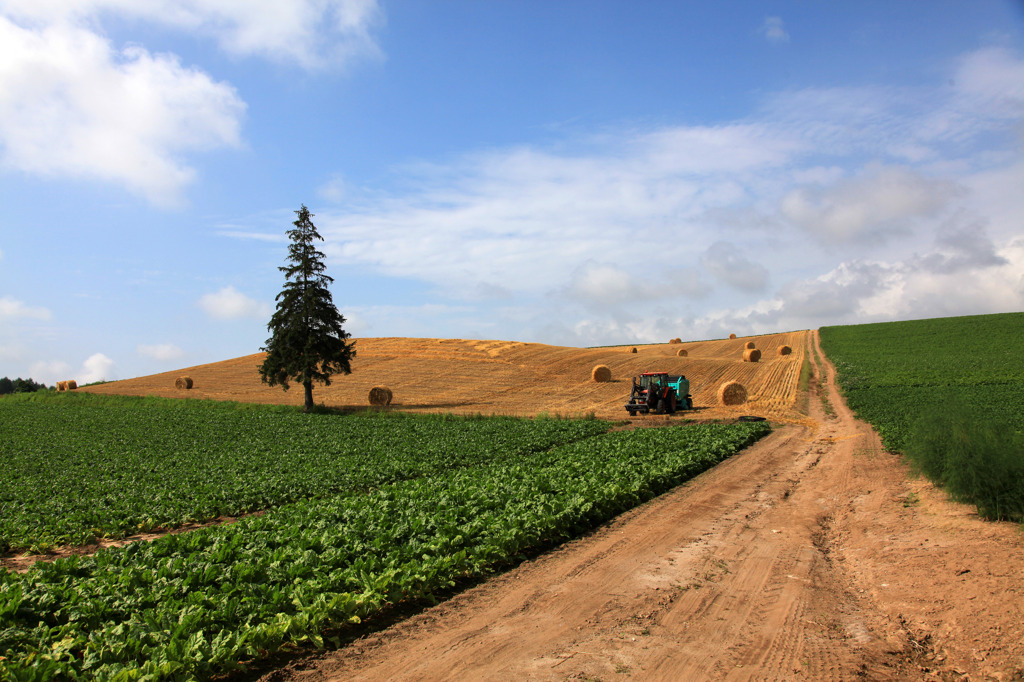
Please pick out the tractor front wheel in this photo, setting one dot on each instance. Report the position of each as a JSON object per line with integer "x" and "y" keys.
{"x": 660, "y": 409}
{"x": 672, "y": 404}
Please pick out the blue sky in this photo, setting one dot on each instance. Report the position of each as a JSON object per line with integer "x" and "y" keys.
{"x": 574, "y": 173}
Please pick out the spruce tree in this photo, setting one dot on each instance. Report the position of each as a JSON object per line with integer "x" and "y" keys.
{"x": 307, "y": 341}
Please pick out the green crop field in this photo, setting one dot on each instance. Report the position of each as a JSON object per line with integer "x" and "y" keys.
{"x": 363, "y": 512}
{"x": 948, "y": 393}
{"x": 893, "y": 373}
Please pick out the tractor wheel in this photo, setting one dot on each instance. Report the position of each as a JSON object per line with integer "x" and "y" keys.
{"x": 632, "y": 413}
{"x": 689, "y": 403}
{"x": 672, "y": 404}
{"x": 660, "y": 409}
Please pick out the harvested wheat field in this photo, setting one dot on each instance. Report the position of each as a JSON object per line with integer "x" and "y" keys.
{"x": 512, "y": 378}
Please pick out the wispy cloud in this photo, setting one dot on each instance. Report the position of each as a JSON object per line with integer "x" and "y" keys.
{"x": 653, "y": 222}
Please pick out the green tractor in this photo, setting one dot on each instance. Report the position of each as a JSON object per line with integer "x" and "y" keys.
{"x": 659, "y": 392}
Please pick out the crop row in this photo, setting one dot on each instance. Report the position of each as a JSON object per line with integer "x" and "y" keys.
{"x": 195, "y": 604}
{"x": 79, "y": 467}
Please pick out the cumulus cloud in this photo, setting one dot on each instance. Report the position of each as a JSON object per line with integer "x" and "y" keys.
{"x": 774, "y": 30}
{"x": 868, "y": 206}
{"x": 231, "y": 304}
{"x": 72, "y": 105}
{"x": 161, "y": 351}
{"x": 97, "y": 367}
{"x": 11, "y": 308}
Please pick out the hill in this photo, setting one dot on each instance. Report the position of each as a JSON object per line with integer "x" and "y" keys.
{"x": 513, "y": 378}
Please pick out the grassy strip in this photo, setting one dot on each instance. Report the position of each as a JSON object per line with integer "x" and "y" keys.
{"x": 193, "y": 605}
{"x": 79, "y": 467}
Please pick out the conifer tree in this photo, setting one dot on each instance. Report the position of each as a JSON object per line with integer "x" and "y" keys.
{"x": 307, "y": 340}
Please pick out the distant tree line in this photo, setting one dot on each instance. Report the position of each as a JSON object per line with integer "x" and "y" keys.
{"x": 19, "y": 385}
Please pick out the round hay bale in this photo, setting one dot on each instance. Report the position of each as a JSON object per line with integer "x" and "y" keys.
{"x": 732, "y": 393}
{"x": 750, "y": 345}
{"x": 71, "y": 384}
{"x": 751, "y": 355}
{"x": 677, "y": 340}
{"x": 62, "y": 385}
{"x": 183, "y": 383}
{"x": 380, "y": 396}
{"x": 682, "y": 353}
{"x": 634, "y": 350}
{"x": 601, "y": 373}
{"x": 785, "y": 350}
{"x": 732, "y": 336}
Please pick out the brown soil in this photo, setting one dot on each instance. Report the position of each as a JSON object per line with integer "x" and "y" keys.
{"x": 811, "y": 555}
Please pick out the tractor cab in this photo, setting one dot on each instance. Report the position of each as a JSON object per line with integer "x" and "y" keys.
{"x": 659, "y": 392}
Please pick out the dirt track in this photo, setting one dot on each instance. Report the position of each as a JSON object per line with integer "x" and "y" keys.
{"x": 811, "y": 555}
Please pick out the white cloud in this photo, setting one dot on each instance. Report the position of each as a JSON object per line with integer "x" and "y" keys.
{"x": 725, "y": 261}
{"x": 11, "y": 308}
{"x": 774, "y": 30}
{"x": 231, "y": 304}
{"x": 868, "y": 206}
{"x": 334, "y": 190}
{"x": 310, "y": 33}
{"x": 97, "y": 367}
{"x": 72, "y": 105}
{"x": 161, "y": 351}
{"x": 50, "y": 372}
{"x": 612, "y": 234}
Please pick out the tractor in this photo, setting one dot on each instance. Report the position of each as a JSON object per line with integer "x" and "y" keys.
{"x": 659, "y": 392}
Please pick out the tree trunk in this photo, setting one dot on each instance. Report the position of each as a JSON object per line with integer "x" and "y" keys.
{"x": 308, "y": 385}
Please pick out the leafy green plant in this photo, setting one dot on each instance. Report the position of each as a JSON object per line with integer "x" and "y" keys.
{"x": 196, "y": 604}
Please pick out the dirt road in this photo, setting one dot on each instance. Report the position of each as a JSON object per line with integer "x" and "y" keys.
{"x": 810, "y": 555}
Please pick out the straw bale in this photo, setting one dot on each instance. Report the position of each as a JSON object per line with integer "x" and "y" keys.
{"x": 732, "y": 336}
{"x": 682, "y": 353}
{"x": 750, "y": 345}
{"x": 677, "y": 340}
{"x": 601, "y": 373}
{"x": 380, "y": 396}
{"x": 633, "y": 350}
{"x": 183, "y": 383}
{"x": 62, "y": 385}
{"x": 71, "y": 384}
{"x": 732, "y": 393}
{"x": 751, "y": 355}
{"x": 785, "y": 350}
